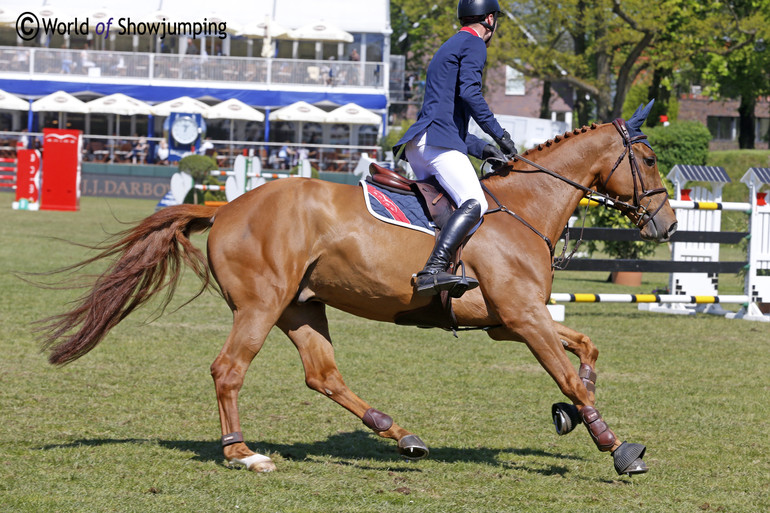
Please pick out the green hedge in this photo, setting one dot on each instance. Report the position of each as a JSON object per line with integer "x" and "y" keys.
{"x": 685, "y": 142}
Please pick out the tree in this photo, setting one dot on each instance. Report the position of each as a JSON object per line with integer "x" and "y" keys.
{"x": 736, "y": 60}
{"x": 598, "y": 47}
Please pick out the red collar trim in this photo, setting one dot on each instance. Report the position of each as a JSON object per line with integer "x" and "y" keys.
{"x": 469, "y": 31}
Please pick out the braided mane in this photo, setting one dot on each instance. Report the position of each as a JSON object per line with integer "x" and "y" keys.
{"x": 504, "y": 170}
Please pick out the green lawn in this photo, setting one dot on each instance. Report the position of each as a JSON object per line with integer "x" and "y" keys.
{"x": 133, "y": 426}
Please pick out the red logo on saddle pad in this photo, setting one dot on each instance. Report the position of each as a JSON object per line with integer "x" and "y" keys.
{"x": 386, "y": 202}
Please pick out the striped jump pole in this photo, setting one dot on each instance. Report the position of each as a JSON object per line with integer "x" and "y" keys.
{"x": 685, "y": 205}
{"x": 252, "y": 175}
{"x": 695, "y": 265}
{"x": 648, "y": 298}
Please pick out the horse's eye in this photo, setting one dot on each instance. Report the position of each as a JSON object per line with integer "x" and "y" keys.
{"x": 649, "y": 161}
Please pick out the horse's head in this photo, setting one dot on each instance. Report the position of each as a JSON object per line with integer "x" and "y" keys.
{"x": 635, "y": 182}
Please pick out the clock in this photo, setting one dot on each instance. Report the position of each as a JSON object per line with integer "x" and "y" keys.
{"x": 185, "y": 130}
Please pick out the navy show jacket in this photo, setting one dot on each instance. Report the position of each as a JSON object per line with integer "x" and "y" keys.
{"x": 452, "y": 96}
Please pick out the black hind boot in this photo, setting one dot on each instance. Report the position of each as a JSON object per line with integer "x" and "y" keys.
{"x": 434, "y": 277}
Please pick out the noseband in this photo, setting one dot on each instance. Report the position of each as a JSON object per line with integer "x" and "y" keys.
{"x": 638, "y": 212}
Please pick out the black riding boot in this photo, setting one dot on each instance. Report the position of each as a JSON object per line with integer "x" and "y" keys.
{"x": 434, "y": 277}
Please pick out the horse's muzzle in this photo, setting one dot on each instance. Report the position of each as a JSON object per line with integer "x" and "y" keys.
{"x": 658, "y": 230}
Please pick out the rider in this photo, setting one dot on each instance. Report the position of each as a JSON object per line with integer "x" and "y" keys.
{"x": 437, "y": 144}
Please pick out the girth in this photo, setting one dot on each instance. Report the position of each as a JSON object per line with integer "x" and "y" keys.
{"x": 438, "y": 206}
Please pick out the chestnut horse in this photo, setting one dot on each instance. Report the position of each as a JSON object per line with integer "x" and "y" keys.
{"x": 282, "y": 252}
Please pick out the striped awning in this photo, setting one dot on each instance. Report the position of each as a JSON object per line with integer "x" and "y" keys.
{"x": 762, "y": 173}
{"x": 685, "y": 173}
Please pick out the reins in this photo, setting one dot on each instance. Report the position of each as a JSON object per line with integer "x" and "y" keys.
{"x": 637, "y": 211}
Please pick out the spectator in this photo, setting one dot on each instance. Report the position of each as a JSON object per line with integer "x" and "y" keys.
{"x": 207, "y": 147}
{"x": 23, "y": 142}
{"x": 354, "y": 55}
{"x": 161, "y": 152}
{"x": 285, "y": 155}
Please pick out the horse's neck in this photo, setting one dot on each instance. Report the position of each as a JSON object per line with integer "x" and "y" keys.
{"x": 545, "y": 201}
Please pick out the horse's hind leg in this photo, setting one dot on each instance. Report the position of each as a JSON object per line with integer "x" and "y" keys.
{"x": 307, "y": 327}
{"x": 228, "y": 370}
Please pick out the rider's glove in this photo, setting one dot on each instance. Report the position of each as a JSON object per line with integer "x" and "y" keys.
{"x": 492, "y": 154}
{"x": 506, "y": 144}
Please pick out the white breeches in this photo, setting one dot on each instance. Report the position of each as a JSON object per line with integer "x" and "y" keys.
{"x": 452, "y": 169}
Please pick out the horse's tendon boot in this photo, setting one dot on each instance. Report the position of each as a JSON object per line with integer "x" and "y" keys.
{"x": 376, "y": 420}
{"x": 602, "y": 435}
{"x": 587, "y": 374}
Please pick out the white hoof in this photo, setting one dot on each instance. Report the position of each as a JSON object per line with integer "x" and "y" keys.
{"x": 256, "y": 463}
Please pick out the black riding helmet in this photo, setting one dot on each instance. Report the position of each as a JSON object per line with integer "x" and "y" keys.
{"x": 478, "y": 8}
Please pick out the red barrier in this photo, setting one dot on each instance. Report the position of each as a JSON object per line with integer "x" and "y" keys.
{"x": 61, "y": 185}
{"x": 28, "y": 180}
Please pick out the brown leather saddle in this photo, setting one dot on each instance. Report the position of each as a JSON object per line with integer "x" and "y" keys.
{"x": 438, "y": 313}
{"x": 435, "y": 201}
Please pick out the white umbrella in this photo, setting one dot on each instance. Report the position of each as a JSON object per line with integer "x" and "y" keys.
{"x": 233, "y": 109}
{"x": 119, "y": 104}
{"x": 181, "y": 104}
{"x": 10, "y": 101}
{"x": 300, "y": 112}
{"x": 59, "y": 102}
{"x": 353, "y": 114}
{"x": 7, "y": 16}
{"x": 322, "y": 31}
{"x": 265, "y": 28}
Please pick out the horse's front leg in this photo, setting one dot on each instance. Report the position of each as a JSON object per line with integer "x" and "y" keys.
{"x": 537, "y": 330}
{"x": 565, "y": 415}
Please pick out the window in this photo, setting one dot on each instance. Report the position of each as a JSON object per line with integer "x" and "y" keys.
{"x": 374, "y": 47}
{"x": 722, "y": 128}
{"x": 763, "y": 129}
{"x": 514, "y": 82}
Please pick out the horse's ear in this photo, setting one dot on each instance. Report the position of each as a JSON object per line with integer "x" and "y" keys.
{"x": 639, "y": 117}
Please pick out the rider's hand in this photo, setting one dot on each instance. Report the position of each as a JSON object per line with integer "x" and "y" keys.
{"x": 506, "y": 144}
{"x": 493, "y": 155}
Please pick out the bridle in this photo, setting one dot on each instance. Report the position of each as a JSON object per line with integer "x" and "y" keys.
{"x": 636, "y": 211}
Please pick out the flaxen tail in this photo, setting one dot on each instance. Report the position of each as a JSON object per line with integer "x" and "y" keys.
{"x": 149, "y": 260}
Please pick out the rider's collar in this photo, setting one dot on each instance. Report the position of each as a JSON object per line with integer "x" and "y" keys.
{"x": 470, "y": 31}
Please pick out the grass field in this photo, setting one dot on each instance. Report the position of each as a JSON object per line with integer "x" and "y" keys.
{"x": 133, "y": 425}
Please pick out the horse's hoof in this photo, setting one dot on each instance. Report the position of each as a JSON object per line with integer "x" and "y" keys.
{"x": 565, "y": 417}
{"x": 265, "y": 466}
{"x": 628, "y": 459}
{"x": 256, "y": 463}
{"x": 412, "y": 448}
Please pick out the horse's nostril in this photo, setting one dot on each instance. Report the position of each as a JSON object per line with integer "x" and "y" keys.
{"x": 672, "y": 229}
